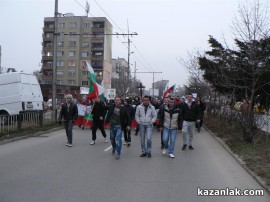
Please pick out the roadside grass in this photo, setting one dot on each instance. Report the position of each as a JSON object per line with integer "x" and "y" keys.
{"x": 255, "y": 156}
{"x": 27, "y": 132}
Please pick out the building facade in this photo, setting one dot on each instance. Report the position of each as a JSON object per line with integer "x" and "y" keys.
{"x": 79, "y": 39}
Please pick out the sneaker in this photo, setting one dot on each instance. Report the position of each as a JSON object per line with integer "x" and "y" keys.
{"x": 143, "y": 155}
{"x": 117, "y": 156}
{"x": 136, "y": 134}
{"x": 164, "y": 151}
{"x": 149, "y": 155}
{"x": 190, "y": 147}
{"x": 105, "y": 140}
{"x": 128, "y": 144}
{"x": 93, "y": 142}
{"x": 124, "y": 143}
{"x": 69, "y": 145}
{"x": 171, "y": 155}
{"x": 184, "y": 147}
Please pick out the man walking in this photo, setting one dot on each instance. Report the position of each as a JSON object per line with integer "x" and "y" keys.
{"x": 69, "y": 112}
{"x": 170, "y": 121}
{"x": 99, "y": 112}
{"x": 131, "y": 113}
{"x": 190, "y": 113}
{"x": 118, "y": 119}
{"x": 145, "y": 116}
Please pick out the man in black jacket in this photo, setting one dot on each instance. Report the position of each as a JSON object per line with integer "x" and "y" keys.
{"x": 69, "y": 112}
{"x": 131, "y": 113}
{"x": 99, "y": 113}
{"x": 190, "y": 113}
{"x": 118, "y": 119}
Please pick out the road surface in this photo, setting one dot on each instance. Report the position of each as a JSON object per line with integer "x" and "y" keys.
{"x": 43, "y": 169}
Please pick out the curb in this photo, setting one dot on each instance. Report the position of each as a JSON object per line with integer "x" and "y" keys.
{"x": 29, "y": 136}
{"x": 240, "y": 161}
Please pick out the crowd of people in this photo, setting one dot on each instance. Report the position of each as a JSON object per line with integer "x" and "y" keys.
{"x": 168, "y": 115}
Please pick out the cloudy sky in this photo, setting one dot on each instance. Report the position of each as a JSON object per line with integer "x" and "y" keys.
{"x": 167, "y": 29}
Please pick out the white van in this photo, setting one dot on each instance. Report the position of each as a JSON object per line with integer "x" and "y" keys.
{"x": 19, "y": 92}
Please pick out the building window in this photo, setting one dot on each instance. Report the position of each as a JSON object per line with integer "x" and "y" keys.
{"x": 47, "y": 72}
{"x": 71, "y": 53}
{"x": 71, "y": 63}
{"x": 86, "y": 25}
{"x": 85, "y": 73}
{"x": 85, "y": 83}
{"x": 61, "y": 25}
{"x": 50, "y": 26}
{"x": 61, "y": 34}
{"x": 60, "y": 63}
{"x": 60, "y": 53}
{"x": 72, "y": 34}
{"x": 97, "y": 53}
{"x": 60, "y": 82}
{"x": 72, "y": 25}
{"x": 98, "y": 24}
{"x": 71, "y": 72}
{"x": 85, "y": 54}
{"x": 85, "y": 45}
{"x": 49, "y": 35}
{"x": 60, "y": 72}
{"x": 71, "y": 82}
{"x": 72, "y": 44}
{"x": 85, "y": 35}
{"x": 60, "y": 44}
{"x": 47, "y": 53}
{"x": 47, "y": 63}
{"x": 48, "y": 81}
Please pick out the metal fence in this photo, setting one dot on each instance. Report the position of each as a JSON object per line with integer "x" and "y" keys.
{"x": 29, "y": 119}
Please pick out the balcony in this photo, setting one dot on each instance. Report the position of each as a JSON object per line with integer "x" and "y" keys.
{"x": 98, "y": 29}
{"x": 100, "y": 48}
{"x": 97, "y": 57}
{"x": 46, "y": 48}
{"x": 47, "y": 67}
{"x": 47, "y": 57}
{"x": 47, "y": 29}
{"x": 97, "y": 39}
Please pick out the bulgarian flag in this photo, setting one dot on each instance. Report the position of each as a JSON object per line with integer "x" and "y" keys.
{"x": 168, "y": 91}
{"x": 95, "y": 89}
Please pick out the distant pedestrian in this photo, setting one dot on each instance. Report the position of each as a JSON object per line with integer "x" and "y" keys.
{"x": 69, "y": 112}
{"x": 202, "y": 107}
{"x": 190, "y": 113}
{"x": 170, "y": 121}
{"x": 119, "y": 119}
{"x": 99, "y": 112}
{"x": 145, "y": 117}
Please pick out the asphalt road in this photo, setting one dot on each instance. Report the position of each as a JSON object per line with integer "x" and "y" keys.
{"x": 44, "y": 169}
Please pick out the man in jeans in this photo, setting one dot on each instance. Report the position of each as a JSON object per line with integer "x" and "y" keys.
{"x": 145, "y": 116}
{"x": 118, "y": 119}
{"x": 190, "y": 113}
{"x": 69, "y": 112}
{"x": 169, "y": 123}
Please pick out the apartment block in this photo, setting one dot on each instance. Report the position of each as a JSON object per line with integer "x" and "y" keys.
{"x": 79, "y": 39}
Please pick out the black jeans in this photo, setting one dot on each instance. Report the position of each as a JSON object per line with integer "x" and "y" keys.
{"x": 127, "y": 134}
{"x": 68, "y": 127}
{"x": 98, "y": 125}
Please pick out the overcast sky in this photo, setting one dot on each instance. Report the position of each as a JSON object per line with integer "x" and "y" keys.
{"x": 166, "y": 29}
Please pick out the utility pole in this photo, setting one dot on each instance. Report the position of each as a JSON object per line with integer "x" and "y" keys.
{"x": 54, "y": 56}
{"x": 134, "y": 83}
{"x": 153, "y": 85}
{"x": 129, "y": 53}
